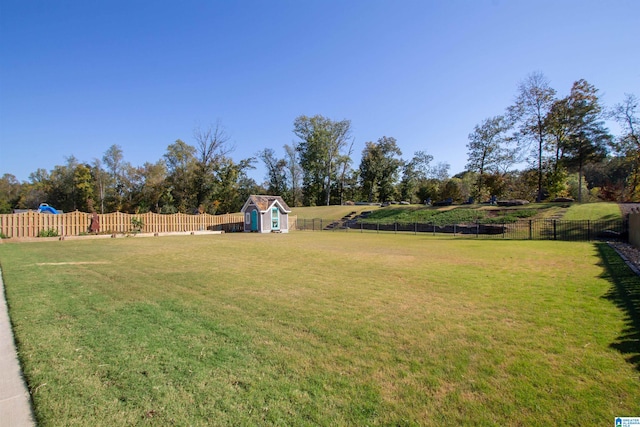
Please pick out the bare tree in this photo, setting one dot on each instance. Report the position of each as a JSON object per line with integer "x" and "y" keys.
{"x": 211, "y": 149}
{"x": 294, "y": 172}
{"x": 345, "y": 162}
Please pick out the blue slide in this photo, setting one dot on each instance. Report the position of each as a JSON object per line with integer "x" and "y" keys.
{"x": 45, "y": 208}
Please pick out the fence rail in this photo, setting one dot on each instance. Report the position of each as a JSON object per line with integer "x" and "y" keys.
{"x": 31, "y": 224}
{"x": 525, "y": 229}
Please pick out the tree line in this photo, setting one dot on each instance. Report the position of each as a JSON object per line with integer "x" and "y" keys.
{"x": 564, "y": 143}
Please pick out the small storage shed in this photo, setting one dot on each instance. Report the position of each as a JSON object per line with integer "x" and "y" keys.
{"x": 266, "y": 214}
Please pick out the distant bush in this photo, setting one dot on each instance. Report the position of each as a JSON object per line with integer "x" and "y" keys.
{"x": 49, "y": 232}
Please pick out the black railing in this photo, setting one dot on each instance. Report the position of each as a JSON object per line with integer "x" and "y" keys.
{"x": 525, "y": 229}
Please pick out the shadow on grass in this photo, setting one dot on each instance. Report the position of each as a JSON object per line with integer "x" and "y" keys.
{"x": 625, "y": 294}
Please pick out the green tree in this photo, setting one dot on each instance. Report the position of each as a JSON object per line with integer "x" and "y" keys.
{"x": 628, "y": 143}
{"x": 487, "y": 150}
{"x": 276, "y": 173}
{"x": 180, "y": 161}
{"x": 154, "y": 185}
{"x": 84, "y": 191}
{"x": 229, "y": 196}
{"x": 101, "y": 179}
{"x": 588, "y": 138}
{"x": 210, "y": 159}
{"x": 451, "y": 190}
{"x": 533, "y": 102}
{"x": 113, "y": 160}
{"x": 558, "y": 124}
{"x": 10, "y": 190}
{"x": 380, "y": 169}
{"x": 321, "y": 143}
{"x": 415, "y": 173}
{"x": 611, "y": 177}
{"x": 36, "y": 190}
{"x": 62, "y": 187}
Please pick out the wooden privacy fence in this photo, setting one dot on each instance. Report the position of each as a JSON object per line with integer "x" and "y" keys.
{"x": 31, "y": 224}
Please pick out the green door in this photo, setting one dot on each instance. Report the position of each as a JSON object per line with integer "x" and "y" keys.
{"x": 275, "y": 219}
{"x": 254, "y": 220}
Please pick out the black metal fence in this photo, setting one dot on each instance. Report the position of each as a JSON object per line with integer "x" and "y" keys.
{"x": 525, "y": 229}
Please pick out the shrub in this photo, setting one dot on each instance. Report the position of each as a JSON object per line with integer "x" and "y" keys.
{"x": 49, "y": 232}
{"x": 137, "y": 224}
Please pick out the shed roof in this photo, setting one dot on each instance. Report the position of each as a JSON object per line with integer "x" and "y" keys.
{"x": 266, "y": 202}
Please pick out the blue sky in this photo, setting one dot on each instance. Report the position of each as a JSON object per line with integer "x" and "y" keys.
{"x": 79, "y": 76}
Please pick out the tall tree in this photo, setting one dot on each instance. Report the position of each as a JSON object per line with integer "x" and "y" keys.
{"x": 344, "y": 165}
{"x": 229, "y": 175}
{"x": 587, "y": 136}
{"x": 415, "y": 173}
{"x": 154, "y": 180}
{"x": 380, "y": 169}
{"x": 628, "y": 144}
{"x": 9, "y": 193}
{"x": 210, "y": 155}
{"x": 558, "y": 124}
{"x": 113, "y": 160}
{"x": 84, "y": 190}
{"x": 487, "y": 148}
{"x": 180, "y": 161}
{"x": 533, "y": 101}
{"x": 276, "y": 172}
{"x": 322, "y": 141}
{"x": 36, "y": 190}
{"x": 62, "y": 190}
{"x": 101, "y": 179}
{"x": 294, "y": 174}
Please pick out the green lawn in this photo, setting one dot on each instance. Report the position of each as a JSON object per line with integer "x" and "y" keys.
{"x": 466, "y": 213}
{"x": 324, "y": 329}
{"x": 593, "y": 211}
{"x": 329, "y": 213}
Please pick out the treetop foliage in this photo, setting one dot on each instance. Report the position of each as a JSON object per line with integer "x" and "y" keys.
{"x": 568, "y": 149}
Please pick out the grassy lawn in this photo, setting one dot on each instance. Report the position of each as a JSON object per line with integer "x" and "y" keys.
{"x": 325, "y": 329}
{"x": 329, "y": 213}
{"x": 466, "y": 213}
{"x": 593, "y": 211}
